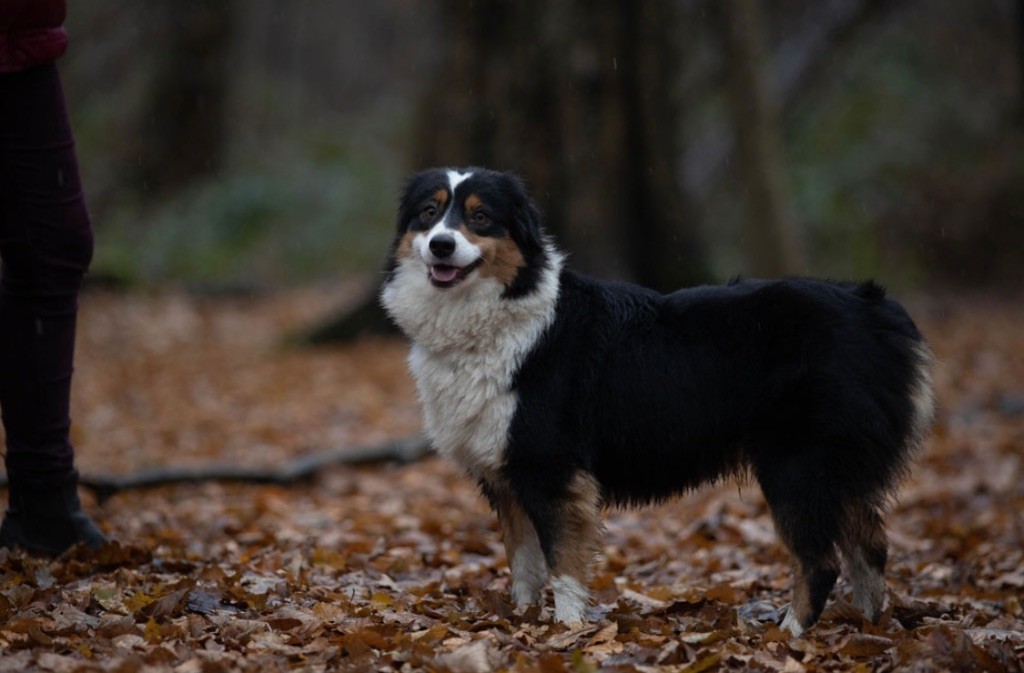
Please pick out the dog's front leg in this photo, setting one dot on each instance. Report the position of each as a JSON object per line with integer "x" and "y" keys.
{"x": 522, "y": 546}
{"x": 569, "y": 529}
{"x": 525, "y": 558}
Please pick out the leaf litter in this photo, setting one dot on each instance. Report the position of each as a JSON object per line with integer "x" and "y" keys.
{"x": 402, "y": 567}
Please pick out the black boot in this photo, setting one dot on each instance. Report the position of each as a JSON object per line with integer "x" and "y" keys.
{"x": 48, "y": 521}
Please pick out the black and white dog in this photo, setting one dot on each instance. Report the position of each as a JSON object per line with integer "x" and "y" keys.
{"x": 561, "y": 393}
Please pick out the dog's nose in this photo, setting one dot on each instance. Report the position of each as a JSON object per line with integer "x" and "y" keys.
{"x": 442, "y": 245}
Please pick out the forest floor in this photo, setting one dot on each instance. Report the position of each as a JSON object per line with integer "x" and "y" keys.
{"x": 402, "y": 567}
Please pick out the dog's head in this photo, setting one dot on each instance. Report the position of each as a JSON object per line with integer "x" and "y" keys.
{"x": 459, "y": 227}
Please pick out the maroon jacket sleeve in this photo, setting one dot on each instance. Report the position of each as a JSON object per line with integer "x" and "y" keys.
{"x": 31, "y": 33}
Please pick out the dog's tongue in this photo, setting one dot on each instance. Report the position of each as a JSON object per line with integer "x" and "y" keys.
{"x": 444, "y": 273}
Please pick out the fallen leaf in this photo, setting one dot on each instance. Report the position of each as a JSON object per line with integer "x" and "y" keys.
{"x": 474, "y": 657}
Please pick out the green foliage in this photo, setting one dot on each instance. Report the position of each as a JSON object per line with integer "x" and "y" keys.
{"x": 892, "y": 113}
{"x": 899, "y": 156}
{"x": 302, "y": 222}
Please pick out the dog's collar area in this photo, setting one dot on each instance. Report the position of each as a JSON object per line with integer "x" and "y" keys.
{"x": 446, "y": 275}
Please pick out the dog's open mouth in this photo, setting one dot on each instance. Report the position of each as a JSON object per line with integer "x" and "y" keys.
{"x": 445, "y": 275}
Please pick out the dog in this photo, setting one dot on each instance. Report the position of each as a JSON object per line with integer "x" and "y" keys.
{"x": 561, "y": 394}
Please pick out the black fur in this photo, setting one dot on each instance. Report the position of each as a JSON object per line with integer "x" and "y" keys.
{"x": 808, "y": 383}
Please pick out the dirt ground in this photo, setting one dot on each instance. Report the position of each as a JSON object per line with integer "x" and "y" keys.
{"x": 402, "y": 567}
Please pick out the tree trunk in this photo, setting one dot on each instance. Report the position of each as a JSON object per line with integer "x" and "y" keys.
{"x": 800, "y": 63}
{"x": 576, "y": 96}
{"x": 770, "y": 241}
{"x": 667, "y": 250}
{"x": 184, "y": 121}
{"x": 1020, "y": 59}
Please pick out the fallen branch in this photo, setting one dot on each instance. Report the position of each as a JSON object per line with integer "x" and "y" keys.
{"x": 300, "y": 469}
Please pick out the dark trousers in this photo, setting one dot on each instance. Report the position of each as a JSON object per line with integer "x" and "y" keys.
{"x": 45, "y": 247}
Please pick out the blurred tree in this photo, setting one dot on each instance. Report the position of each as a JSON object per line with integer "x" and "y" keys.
{"x": 184, "y": 120}
{"x": 771, "y": 245}
{"x": 816, "y": 37}
{"x": 579, "y": 98}
{"x": 1020, "y": 57}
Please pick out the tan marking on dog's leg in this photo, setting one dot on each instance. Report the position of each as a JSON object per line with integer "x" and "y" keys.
{"x": 578, "y": 543}
{"x": 800, "y": 606}
{"x": 812, "y": 583}
{"x": 525, "y": 558}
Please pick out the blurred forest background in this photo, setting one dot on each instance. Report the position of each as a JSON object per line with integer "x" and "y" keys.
{"x": 245, "y": 146}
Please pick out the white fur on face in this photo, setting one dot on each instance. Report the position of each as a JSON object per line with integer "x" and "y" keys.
{"x": 468, "y": 342}
{"x": 465, "y": 252}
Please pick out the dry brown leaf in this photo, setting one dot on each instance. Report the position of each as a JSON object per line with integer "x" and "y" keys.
{"x": 860, "y": 645}
{"x": 571, "y": 637}
{"x": 475, "y": 657}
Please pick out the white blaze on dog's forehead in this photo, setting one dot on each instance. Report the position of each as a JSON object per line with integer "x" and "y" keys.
{"x": 436, "y": 229}
{"x": 454, "y": 178}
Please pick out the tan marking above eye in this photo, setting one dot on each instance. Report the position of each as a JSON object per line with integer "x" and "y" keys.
{"x": 441, "y": 196}
{"x": 473, "y": 202}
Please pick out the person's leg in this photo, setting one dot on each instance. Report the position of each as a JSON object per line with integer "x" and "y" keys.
{"x": 46, "y": 247}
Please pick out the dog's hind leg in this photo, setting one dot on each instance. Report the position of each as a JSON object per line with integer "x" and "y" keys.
{"x": 813, "y": 581}
{"x": 865, "y": 551}
{"x": 525, "y": 559}
{"x": 807, "y": 518}
{"x": 569, "y": 529}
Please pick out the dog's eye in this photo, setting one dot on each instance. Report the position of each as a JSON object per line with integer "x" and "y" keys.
{"x": 428, "y": 213}
{"x": 480, "y": 217}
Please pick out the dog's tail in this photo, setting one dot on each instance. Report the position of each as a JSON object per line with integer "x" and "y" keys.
{"x": 922, "y": 394}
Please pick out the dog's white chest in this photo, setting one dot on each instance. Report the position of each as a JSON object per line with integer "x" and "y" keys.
{"x": 468, "y": 344}
{"x": 467, "y": 405}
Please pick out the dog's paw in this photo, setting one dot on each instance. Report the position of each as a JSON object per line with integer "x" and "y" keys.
{"x": 790, "y": 623}
{"x": 570, "y": 618}
{"x": 524, "y": 597}
{"x": 571, "y": 599}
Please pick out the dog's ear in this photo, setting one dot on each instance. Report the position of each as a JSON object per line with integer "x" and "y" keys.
{"x": 406, "y": 204}
{"x": 529, "y": 224}
{"x": 402, "y": 218}
{"x": 413, "y": 184}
